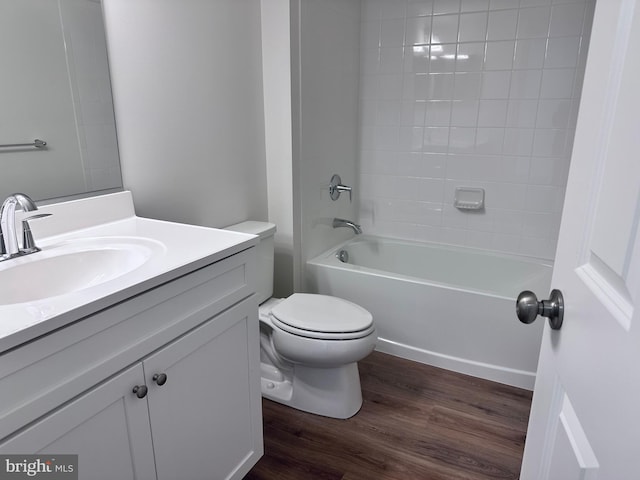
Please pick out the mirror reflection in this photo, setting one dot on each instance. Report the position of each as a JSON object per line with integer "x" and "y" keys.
{"x": 55, "y": 87}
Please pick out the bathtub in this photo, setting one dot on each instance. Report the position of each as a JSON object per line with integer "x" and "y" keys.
{"x": 447, "y": 306}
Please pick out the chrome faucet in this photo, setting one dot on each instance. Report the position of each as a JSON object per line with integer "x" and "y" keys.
{"x": 340, "y": 222}
{"x": 8, "y": 237}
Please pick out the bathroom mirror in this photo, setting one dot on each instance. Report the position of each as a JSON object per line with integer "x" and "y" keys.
{"x": 55, "y": 87}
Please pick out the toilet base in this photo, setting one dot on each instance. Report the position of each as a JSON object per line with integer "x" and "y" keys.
{"x": 330, "y": 392}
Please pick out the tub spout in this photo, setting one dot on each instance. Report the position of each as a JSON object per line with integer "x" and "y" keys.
{"x": 340, "y": 222}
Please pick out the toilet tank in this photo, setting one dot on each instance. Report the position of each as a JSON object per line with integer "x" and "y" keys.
{"x": 265, "y": 252}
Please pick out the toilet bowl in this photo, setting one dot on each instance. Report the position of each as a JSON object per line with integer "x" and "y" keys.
{"x": 309, "y": 344}
{"x": 310, "y": 350}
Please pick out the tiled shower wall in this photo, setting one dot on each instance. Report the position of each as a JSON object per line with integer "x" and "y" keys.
{"x": 477, "y": 93}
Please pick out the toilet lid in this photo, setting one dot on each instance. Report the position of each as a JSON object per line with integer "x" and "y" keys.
{"x": 322, "y": 313}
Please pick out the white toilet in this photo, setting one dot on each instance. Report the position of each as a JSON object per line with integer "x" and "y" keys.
{"x": 309, "y": 344}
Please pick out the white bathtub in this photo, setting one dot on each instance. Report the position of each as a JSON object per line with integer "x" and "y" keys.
{"x": 447, "y": 306}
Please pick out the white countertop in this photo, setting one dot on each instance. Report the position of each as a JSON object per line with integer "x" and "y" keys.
{"x": 180, "y": 249}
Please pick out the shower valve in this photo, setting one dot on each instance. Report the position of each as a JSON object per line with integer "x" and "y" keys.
{"x": 336, "y": 188}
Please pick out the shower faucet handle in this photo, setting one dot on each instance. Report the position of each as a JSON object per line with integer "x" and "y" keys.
{"x": 336, "y": 188}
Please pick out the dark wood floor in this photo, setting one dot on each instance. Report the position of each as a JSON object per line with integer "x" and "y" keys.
{"x": 416, "y": 422}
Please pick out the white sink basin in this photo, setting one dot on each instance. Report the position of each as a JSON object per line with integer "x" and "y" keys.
{"x": 72, "y": 266}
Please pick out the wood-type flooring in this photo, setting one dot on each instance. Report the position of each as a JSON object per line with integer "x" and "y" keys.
{"x": 416, "y": 422}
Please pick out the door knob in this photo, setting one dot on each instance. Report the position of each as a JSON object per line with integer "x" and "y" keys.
{"x": 528, "y": 308}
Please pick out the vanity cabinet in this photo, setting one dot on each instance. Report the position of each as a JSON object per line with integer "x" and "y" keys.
{"x": 107, "y": 427}
{"x": 188, "y": 348}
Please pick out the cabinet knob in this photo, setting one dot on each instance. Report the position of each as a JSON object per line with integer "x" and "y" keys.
{"x": 160, "y": 378}
{"x": 140, "y": 391}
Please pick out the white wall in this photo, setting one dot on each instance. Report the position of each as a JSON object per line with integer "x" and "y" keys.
{"x": 480, "y": 93}
{"x": 325, "y": 127}
{"x": 187, "y": 82}
{"x": 276, "y": 67}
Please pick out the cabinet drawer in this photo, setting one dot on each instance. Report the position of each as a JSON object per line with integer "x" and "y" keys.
{"x": 41, "y": 375}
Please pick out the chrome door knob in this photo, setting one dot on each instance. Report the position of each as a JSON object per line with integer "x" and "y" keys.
{"x": 528, "y": 308}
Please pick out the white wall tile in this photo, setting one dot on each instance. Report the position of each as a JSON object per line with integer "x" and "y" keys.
{"x": 415, "y": 86}
{"x": 441, "y": 86}
{"x": 567, "y": 19}
{"x": 470, "y": 57}
{"x": 562, "y": 52}
{"x": 444, "y": 29}
{"x": 389, "y": 86}
{"x": 502, "y": 25}
{"x": 533, "y": 22}
{"x": 432, "y": 165}
{"x": 522, "y": 113}
{"x": 542, "y": 198}
{"x": 467, "y": 85}
{"x": 370, "y": 34}
{"x": 474, "y": 5}
{"x": 501, "y": 4}
{"x": 499, "y": 55}
{"x": 462, "y": 140}
{"x": 495, "y": 84}
{"x": 473, "y": 27}
{"x": 550, "y": 142}
{"x": 418, "y": 30}
{"x": 416, "y": 58}
{"x": 548, "y": 171}
{"x": 530, "y": 53}
{"x": 436, "y": 139}
{"x": 391, "y": 59}
{"x": 392, "y": 32}
{"x": 410, "y": 139}
{"x": 388, "y": 112}
{"x": 553, "y": 113}
{"x": 492, "y": 113}
{"x": 489, "y": 140}
{"x": 412, "y": 112}
{"x": 392, "y": 9}
{"x": 464, "y": 113}
{"x": 446, "y": 6}
{"x": 437, "y": 113}
{"x": 443, "y": 58}
{"x": 480, "y": 93}
{"x": 518, "y": 141}
{"x": 557, "y": 83}
{"x": 419, "y": 8}
{"x": 534, "y": 3}
{"x": 525, "y": 84}
{"x": 386, "y": 138}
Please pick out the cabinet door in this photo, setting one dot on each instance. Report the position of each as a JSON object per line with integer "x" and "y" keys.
{"x": 206, "y": 419}
{"x": 107, "y": 427}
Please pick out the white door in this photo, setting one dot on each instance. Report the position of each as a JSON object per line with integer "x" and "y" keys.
{"x": 585, "y": 417}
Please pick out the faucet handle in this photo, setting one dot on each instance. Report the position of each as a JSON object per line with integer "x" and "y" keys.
{"x": 336, "y": 188}
{"x": 28, "y": 244}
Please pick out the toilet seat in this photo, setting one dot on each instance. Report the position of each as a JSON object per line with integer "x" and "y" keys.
{"x": 322, "y": 317}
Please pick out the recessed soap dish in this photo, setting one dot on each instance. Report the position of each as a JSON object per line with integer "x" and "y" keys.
{"x": 469, "y": 198}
